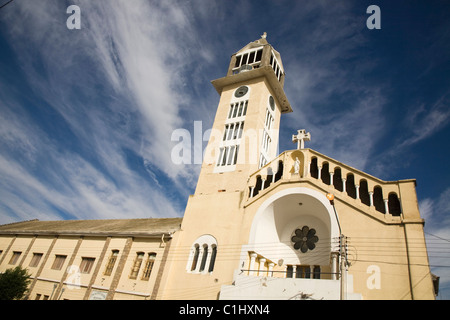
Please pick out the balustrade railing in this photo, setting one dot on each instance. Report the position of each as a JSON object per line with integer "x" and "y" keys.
{"x": 309, "y": 164}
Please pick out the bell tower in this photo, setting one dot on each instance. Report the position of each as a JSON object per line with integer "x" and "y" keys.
{"x": 245, "y": 131}
{"x": 244, "y": 138}
{"x": 248, "y": 232}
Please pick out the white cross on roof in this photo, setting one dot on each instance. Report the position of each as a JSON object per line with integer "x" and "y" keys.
{"x": 300, "y": 138}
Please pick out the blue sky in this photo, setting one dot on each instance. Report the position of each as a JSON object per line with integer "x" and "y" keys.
{"x": 86, "y": 116}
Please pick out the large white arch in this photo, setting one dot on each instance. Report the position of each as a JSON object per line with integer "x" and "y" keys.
{"x": 278, "y": 217}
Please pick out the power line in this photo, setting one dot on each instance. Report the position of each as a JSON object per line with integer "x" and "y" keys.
{"x": 3, "y": 5}
{"x": 437, "y": 236}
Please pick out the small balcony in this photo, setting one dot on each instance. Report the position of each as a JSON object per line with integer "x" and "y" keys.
{"x": 247, "y": 287}
{"x": 263, "y": 279}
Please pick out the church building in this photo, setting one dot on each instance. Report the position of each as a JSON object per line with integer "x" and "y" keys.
{"x": 260, "y": 225}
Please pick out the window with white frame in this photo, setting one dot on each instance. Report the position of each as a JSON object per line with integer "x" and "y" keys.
{"x": 266, "y": 139}
{"x": 262, "y": 160}
{"x": 276, "y": 66}
{"x": 250, "y": 58}
{"x": 228, "y": 155}
{"x": 269, "y": 120}
{"x": 233, "y": 129}
{"x": 202, "y": 256}
{"x": 238, "y": 109}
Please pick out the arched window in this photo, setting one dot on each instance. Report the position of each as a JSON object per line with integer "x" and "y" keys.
{"x": 378, "y": 199}
{"x": 203, "y": 254}
{"x": 314, "y": 169}
{"x": 364, "y": 192}
{"x": 270, "y": 177}
{"x": 137, "y": 265}
{"x": 394, "y": 204}
{"x": 258, "y": 186}
{"x": 279, "y": 173}
{"x": 196, "y": 254}
{"x": 350, "y": 186}
{"x": 325, "y": 174}
{"x": 204, "y": 257}
{"x": 213, "y": 258}
{"x": 337, "y": 179}
{"x": 149, "y": 266}
{"x": 111, "y": 262}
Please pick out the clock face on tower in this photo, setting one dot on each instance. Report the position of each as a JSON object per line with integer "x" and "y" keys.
{"x": 241, "y": 91}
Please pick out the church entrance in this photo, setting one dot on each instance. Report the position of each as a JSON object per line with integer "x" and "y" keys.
{"x": 292, "y": 248}
{"x": 296, "y": 227}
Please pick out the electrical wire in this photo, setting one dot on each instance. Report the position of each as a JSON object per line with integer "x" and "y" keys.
{"x": 4, "y": 5}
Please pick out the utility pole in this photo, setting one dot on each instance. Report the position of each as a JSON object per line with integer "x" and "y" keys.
{"x": 342, "y": 250}
{"x": 342, "y": 253}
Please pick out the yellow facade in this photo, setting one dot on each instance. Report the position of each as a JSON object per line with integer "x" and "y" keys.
{"x": 259, "y": 225}
{"x": 252, "y": 210}
{"x": 78, "y": 263}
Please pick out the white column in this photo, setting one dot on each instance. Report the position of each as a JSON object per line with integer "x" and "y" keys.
{"x": 344, "y": 187}
{"x": 319, "y": 173}
{"x": 294, "y": 271}
{"x": 252, "y": 263}
{"x": 263, "y": 183}
{"x": 334, "y": 265}
{"x": 308, "y": 169}
{"x": 371, "y": 198}
{"x": 386, "y": 205}
{"x": 271, "y": 265}
{"x": 200, "y": 259}
{"x": 208, "y": 260}
{"x": 251, "y": 192}
{"x": 357, "y": 191}
{"x": 262, "y": 261}
{"x": 331, "y": 178}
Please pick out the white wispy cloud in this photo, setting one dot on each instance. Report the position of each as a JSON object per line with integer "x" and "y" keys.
{"x": 436, "y": 212}
{"x": 425, "y": 120}
{"x": 138, "y": 52}
{"x": 339, "y": 106}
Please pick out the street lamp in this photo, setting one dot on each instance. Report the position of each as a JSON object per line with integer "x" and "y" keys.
{"x": 330, "y": 197}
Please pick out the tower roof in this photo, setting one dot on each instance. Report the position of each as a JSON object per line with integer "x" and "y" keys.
{"x": 260, "y": 43}
{"x": 257, "y": 59}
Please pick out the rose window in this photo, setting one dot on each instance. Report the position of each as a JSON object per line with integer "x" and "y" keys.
{"x": 304, "y": 239}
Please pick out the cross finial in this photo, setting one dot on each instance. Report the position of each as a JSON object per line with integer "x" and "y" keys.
{"x": 300, "y": 138}
{"x": 264, "y": 35}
